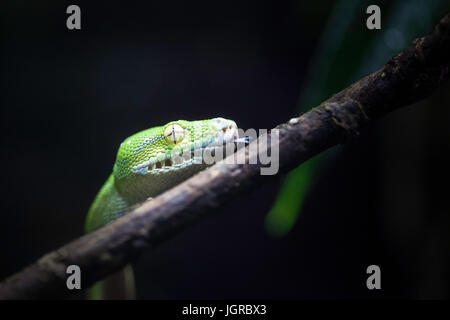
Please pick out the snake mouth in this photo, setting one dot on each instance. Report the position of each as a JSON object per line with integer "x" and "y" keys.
{"x": 192, "y": 157}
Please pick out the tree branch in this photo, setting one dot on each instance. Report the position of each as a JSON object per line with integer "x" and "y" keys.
{"x": 406, "y": 78}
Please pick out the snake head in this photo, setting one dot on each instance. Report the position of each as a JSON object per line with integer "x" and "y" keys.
{"x": 171, "y": 147}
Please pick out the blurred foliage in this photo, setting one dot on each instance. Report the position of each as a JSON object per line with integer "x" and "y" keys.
{"x": 345, "y": 52}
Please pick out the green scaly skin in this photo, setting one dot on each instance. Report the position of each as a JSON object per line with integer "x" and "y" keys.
{"x": 152, "y": 161}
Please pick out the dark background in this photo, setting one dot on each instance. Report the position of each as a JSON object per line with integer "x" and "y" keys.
{"x": 70, "y": 98}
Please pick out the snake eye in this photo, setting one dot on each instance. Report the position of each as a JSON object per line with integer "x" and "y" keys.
{"x": 174, "y": 133}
